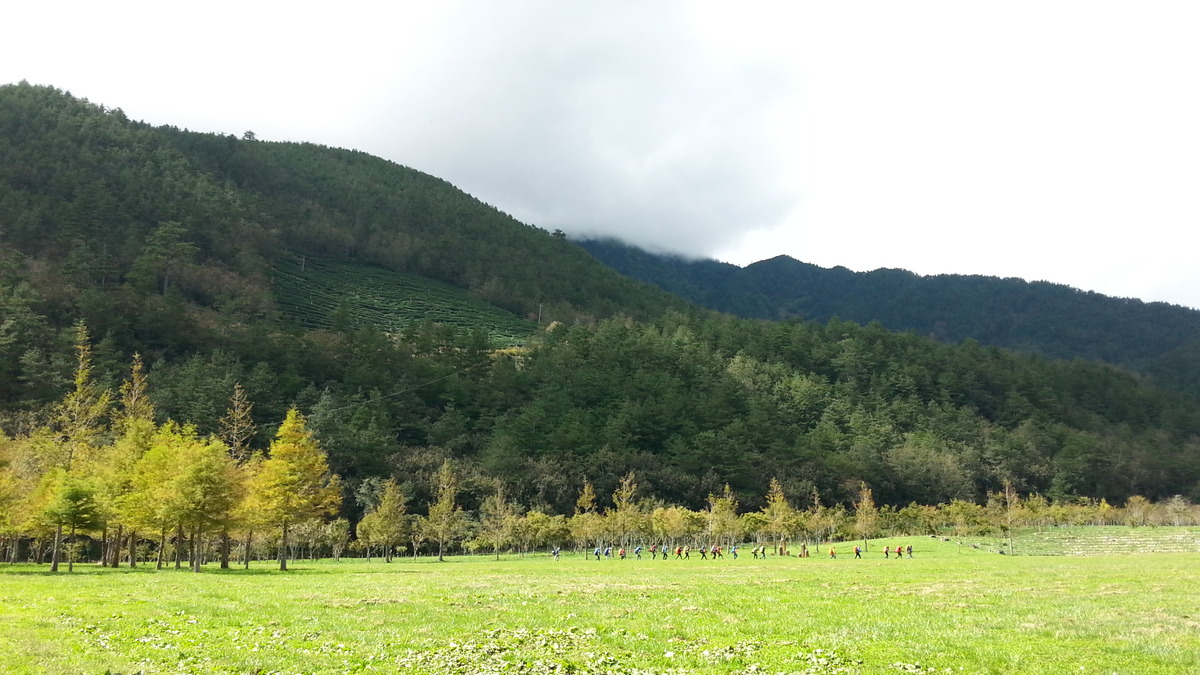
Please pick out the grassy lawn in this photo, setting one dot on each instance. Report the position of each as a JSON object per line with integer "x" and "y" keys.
{"x": 949, "y": 609}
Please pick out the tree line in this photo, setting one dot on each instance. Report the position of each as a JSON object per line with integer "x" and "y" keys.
{"x": 158, "y": 240}
{"x": 101, "y": 466}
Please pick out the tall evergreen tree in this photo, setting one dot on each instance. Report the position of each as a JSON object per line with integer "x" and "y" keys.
{"x": 446, "y": 521}
{"x": 294, "y": 482}
{"x": 78, "y": 421}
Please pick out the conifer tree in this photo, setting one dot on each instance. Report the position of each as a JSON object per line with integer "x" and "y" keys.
{"x": 204, "y": 488}
{"x": 77, "y": 421}
{"x": 625, "y": 519}
{"x": 446, "y": 521}
{"x": 294, "y": 483}
{"x": 113, "y": 467}
{"x": 74, "y": 506}
{"x": 497, "y": 521}
{"x": 781, "y": 518}
{"x": 866, "y": 515}
{"x": 236, "y": 429}
{"x": 587, "y": 526}
{"x": 386, "y": 523}
{"x": 723, "y": 522}
{"x": 237, "y": 426}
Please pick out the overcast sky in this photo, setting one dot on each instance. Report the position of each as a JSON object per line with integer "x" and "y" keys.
{"x": 1045, "y": 140}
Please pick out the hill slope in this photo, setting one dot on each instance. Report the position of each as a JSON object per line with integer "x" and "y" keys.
{"x": 320, "y": 293}
{"x": 103, "y": 201}
{"x": 183, "y": 247}
{"x": 1057, "y": 321}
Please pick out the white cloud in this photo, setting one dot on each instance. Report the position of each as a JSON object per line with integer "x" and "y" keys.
{"x": 1044, "y": 140}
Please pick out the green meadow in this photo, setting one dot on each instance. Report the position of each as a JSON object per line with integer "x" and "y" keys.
{"x": 948, "y": 609}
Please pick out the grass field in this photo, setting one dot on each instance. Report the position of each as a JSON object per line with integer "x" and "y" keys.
{"x": 949, "y": 609}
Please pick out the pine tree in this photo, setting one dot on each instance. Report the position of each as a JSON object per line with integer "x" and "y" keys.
{"x": 625, "y": 520}
{"x": 74, "y": 506}
{"x": 781, "y": 518}
{"x": 295, "y": 483}
{"x": 724, "y": 526}
{"x": 866, "y": 515}
{"x": 446, "y": 521}
{"x": 236, "y": 429}
{"x": 587, "y": 526}
{"x": 497, "y": 521}
{"x": 237, "y": 426}
{"x": 77, "y": 420}
{"x": 386, "y": 523}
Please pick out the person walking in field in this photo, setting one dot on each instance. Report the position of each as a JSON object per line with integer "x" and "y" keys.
{"x": 832, "y": 552}
{"x": 733, "y": 551}
{"x": 687, "y": 552}
{"x": 597, "y": 553}
{"x": 621, "y": 552}
{"x": 679, "y": 553}
{"x": 654, "y": 551}
{"x": 716, "y": 553}
{"x": 909, "y": 550}
{"x": 608, "y": 552}
{"x": 638, "y": 552}
{"x": 857, "y": 552}
{"x": 555, "y": 553}
{"x": 703, "y": 556}
{"x": 899, "y": 552}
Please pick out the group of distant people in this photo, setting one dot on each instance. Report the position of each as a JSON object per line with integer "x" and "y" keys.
{"x": 887, "y": 552}
{"x": 681, "y": 552}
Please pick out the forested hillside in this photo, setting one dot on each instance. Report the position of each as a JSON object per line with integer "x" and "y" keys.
{"x": 170, "y": 243}
{"x": 107, "y": 211}
{"x": 1156, "y": 339}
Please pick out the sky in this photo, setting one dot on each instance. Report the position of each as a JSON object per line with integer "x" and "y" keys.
{"x": 1046, "y": 140}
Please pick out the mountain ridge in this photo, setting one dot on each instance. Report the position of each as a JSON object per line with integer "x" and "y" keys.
{"x": 1055, "y": 320}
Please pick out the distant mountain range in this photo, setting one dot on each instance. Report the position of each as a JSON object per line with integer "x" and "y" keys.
{"x": 1057, "y": 321}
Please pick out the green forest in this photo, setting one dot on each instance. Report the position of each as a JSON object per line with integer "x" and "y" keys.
{"x": 1156, "y": 339}
{"x": 529, "y": 366}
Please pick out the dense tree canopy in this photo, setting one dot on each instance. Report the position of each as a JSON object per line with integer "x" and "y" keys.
{"x": 1054, "y": 320}
{"x": 161, "y": 242}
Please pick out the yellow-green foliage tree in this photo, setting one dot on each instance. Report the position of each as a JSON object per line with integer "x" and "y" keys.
{"x": 625, "y": 521}
{"x": 78, "y": 422}
{"x": 498, "y": 519}
{"x": 866, "y": 515}
{"x": 724, "y": 526}
{"x": 386, "y": 524}
{"x": 446, "y": 521}
{"x": 73, "y": 505}
{"x": 294, "y": 483}
{"x": 204, "y": 489}
{"x": 113, "y": 465}
{"x": 587, "y": 525}
{"x": 782, "y": 521}
{"x": 15, "y": 489}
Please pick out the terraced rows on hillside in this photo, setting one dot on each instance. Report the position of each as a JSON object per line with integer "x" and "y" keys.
{"x": 320, "y": 293}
